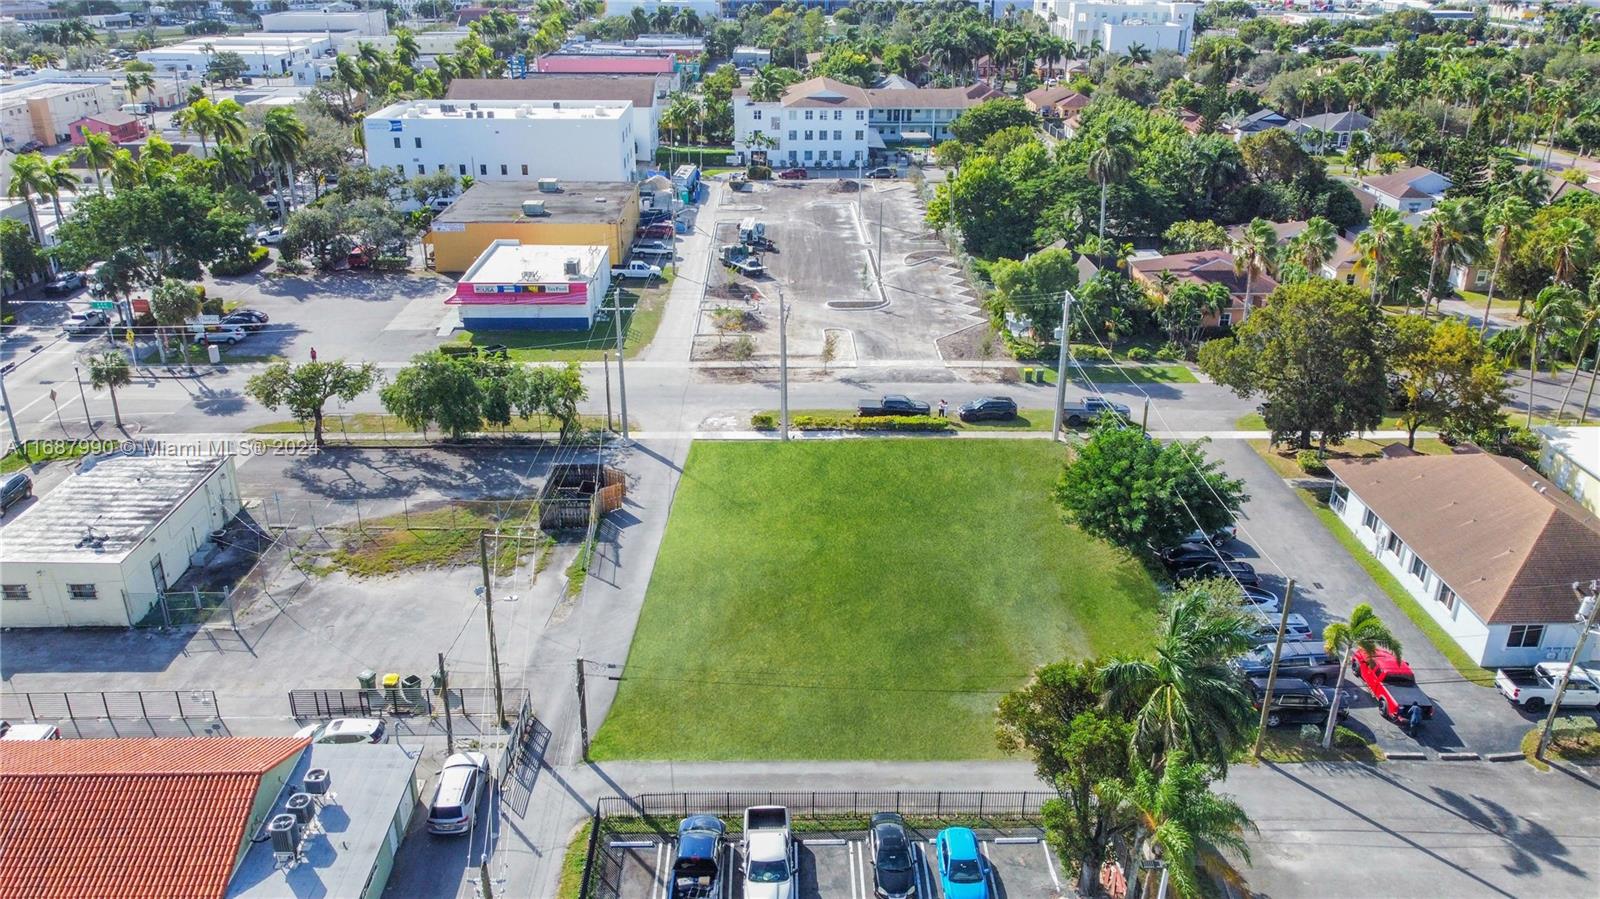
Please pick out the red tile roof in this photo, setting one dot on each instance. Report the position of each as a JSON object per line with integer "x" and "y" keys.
{"x": 128, "y": 819}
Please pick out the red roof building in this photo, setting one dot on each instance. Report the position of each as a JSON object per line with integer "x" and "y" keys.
{"x": 117, "y": 125}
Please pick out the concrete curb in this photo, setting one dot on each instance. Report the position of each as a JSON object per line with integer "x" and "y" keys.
{"x": 1459, "y": 757}
{"x": 1406, "y": 756}
{"x": 1503, "y": 757}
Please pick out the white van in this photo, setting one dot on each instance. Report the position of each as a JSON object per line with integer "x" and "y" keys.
{"x": 32, "y": 732}
{"x": 136, "y": 108}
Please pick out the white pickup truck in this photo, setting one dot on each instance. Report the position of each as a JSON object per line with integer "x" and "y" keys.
{"x": 636, "y": 268}
{"x": 771, "y": 861}
{"x": 1535, "y": 688}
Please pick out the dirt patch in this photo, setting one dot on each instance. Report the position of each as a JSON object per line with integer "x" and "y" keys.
{"x": 968, "y": 345}
{"x": 437, "y": 535}
{"x": 746, "y": 293}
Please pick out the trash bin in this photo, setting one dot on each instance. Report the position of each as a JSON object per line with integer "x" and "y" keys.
{"x": 214, "y": 353}
{"x": 411, "y": 689}
{"x": 367, "y": 679}
{"x": 391, "y": 689}
{"x": 1027, "y": 376}
{"x": 438, "y": 681}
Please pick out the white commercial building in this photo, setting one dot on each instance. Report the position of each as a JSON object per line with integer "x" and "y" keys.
{"x": 537, "y": 287}
{"x": 1152, "y": 24}
{"x": 506, "y": 140}
{"x": 647, "y": 93}
{"x": 264, "y": 55}
{"x": 429, "y": 43}
{"x": 96, "y": 550}
{"x": 43, "y": 109}
{"x": 1571, "y": 458}
{"x": 366, "y": 21}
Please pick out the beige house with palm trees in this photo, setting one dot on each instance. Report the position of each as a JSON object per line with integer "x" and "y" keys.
{"x": 1339, "y": 264}
{"x": 1205, "y": 268}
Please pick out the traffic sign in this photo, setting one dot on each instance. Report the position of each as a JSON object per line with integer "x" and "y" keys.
{"x": 103, "y": 305}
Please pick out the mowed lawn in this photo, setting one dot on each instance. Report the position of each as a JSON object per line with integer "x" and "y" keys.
{"x": 862, "y": 599}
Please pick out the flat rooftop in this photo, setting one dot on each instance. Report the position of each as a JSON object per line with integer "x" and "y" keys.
{"x": 367, "y": 785}
{"x": 549, "y": 110}
{"x": 505, "y": 262}
{"x": 599, "y": 202}
{"x": 35, "y": 90}
{"x": 117, "y": 502}
{"x": 1581, "y": 445}
{"x": 241, "y": 43}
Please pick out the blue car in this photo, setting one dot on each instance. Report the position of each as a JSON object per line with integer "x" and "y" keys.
{"x": 963, "y": 871}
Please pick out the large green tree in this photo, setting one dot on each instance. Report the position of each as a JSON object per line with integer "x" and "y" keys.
{"x": 976, "y": 124}
{"x": 305, "y": 389}
{"x": 20, "y": 257}
{"x": 1182, "y": 821}
{"x": 173, "y": 229}
{"x": 1315, "y": 352}
{"x": 1122, "y": 487}
{"x": 1447, "y": 376}
{"x": 1032, "y": 288}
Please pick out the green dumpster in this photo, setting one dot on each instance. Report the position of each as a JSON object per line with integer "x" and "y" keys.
{"x": 411, "y": 689}
{"x": 367, "y": 679}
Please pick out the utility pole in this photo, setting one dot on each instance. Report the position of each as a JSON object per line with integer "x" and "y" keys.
{"x": 16, "y": 436}
{"x": 583, "y": 712}
{"x": 78, "y": 373}
{"x": 1062, "y": 359}
{"x": 488, "y": 614}
{"x": 605, "y": 360}
{"x": 484, "y": 889}
{"x": 1144, "y": 420}
{"x": 880, "y": 245}
{"x": 1588, "y": 611}
{"x": 783, "y": 365}
{"x": 1272, "y": 672}
{"x": 622, "y": 380}
{"x": 444, "y": 698}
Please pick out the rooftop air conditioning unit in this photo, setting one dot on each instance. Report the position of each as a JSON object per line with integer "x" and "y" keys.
{"x": 533, "y": 208}
{"x": 317, "y": 782}
{"x": 447, "y": 108}
{"x": 285, "y": 833}
{"x": 549, "y": 185}
{"x": 303, "y": 807}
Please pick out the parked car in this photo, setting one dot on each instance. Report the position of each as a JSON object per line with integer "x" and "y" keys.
{"x": 1261, "y": 599}
{"x": 749, "y": 266}
{"x": 963, "y": 871}
{"x": 462, "y": 784}
{"x": 249, "y": 319}
{"x": 1242, "y": 572}
{"x": 636, "y": 268}
{"x": 1077, "y": 414}
{"x": 80, "y": 323}
{"x": 360, "y": 258}
{"x": 271, "y": 235}
{"x": 882, "y": 171}
{"x": 696, "y": 868}
{"x": 228, "y": 334}
{"x": 894, "y": 874}
{"x": 1294, "y": 701}
{"x": 1392, "y": 682}
{"x": 1188, "y": 555}
{"x": 988, "y": 408}
{"x": 31, "y": 732}
{"x": 794, "y": 174}
{"x": 66, "y": 282}
{"x": 1220, "y": 537}
{"x": 652, "y": 216}
{"x": 892, "y": 404}
{"x": 344, "y": 730}
{"x": 1535, "y": 688}
{"x": 771, "y": 858}
{"x": 652, "y": 248}
{"x": 1309, "y": 661}
{"x": 1295, "y": 630}
{"x": 656, "y": 229}
{"x": 440, "y": 204}
{"x": 17, "y": 488}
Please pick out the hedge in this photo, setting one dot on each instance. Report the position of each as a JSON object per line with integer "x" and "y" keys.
{"x": 875, "y": 423}
{"x": 229, "y": 268}
{"x": 704, "y": 157}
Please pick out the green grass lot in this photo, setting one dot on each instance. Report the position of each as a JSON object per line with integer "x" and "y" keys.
{"x": 1500, "y": 303}
{"x": 641, "y": 309}
{"x": 1026, "y": 420}
{"x": 1109, "y": 375}
{"x": 1283, "y": 461}
{"x": 862, "y": 599}
{"x": 336, "y": 426}
{"x": 1468, "y": 669}
{"x": 55, "y": 450}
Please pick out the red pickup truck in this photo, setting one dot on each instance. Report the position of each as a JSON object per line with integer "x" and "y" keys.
{"x": 1392, "y": 683}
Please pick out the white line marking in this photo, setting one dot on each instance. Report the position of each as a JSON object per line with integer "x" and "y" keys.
{"x": 852, "y": 861}
{"x": 1005, "y": 841}
{"x": 633, "y": 844}
{"x": 827, "y": 841}
{"x": 728, "y": 872}
{"x": 988, "y": 871}
{"x": 1050, "y": 865}
{"x": 658, "y": 885}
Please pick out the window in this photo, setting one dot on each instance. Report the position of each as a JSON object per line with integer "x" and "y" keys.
{"x": 81, "y": 591}
{"x": 463, "y": 171}
{"x": 1395, "y": 545}
{"x": 793, "y": 115}
{"x": 14, "y": 591}
{"x": 503, "y": 171}
{"x": 808, "y": 159}
{"x": 1336, "y": 499}
{"x": 1480, "y": 277}
{"x": 860, "y": 114}
{"x": 756, "y": 114}
{"x": 838, "y": 135}
{"x": 397, "y": 146}
{"x": 808, "y": 118}
{"x": 1350, "y": 278}
{"x": 525, "y": 173}
{"x": 1419, "y": 569}
{"x": 809, "y": 136}
{"x": 838, "y": 114}
{"x": 1446, "y": 597}
{"x": 791, "y": 137}
{"x": 419, "y": 142}
{"x": 861, "y": 135}
{"x": 1225, "y": 319}
{"x": 1525, "y": 636}
{"x": 399, "y": 169}
{"x": 837, "y": 154}
{"x": 423, "y": 170}
{"x": 1369, "y": 519}
{"x": 484, "y": 170}
{"x": 440, "y": 168}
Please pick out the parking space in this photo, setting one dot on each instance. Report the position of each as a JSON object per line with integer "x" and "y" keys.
{"x": 840, "y": 865}
{"x": 858, "y": 263}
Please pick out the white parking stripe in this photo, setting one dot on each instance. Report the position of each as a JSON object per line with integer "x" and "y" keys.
{"x": 658, "y": 886}
{"x": 1050, "y": 865}
{"x": 728, "y": 873}
{"x": 925, "y": 876}
{"x": 988, "y": 873}
{"x": 855, "y": 874}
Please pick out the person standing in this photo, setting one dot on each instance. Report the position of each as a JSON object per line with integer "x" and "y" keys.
{"x": 944, "y": 409}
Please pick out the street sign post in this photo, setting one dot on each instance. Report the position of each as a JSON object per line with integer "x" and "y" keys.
{"x": 103, "y": 305}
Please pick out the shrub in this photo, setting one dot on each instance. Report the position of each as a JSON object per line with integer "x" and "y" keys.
{"x": 243, "y": 265}
{"x": 1170, "y": 352}
{"x": 883, "y": 423}
{"x": 1311, "y": 463}
{"x": 764, "y": 421}
{"x": 742, "y": 349}
{"x": 1138, "y": 354}
{"x": 1091, "y": 354}
{"x": 759, "y": 173}
{"x": 391, "y": 263}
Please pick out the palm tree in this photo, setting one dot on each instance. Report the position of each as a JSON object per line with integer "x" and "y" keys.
{"x": 1177, "y": 817}
{"x": 1111, "y": 160}
{"x": 140, "y": 82}
{"x": 1364, "y": 631}
{"x": 57, "y": 172}
{"x": 1454, "y": 238}
{"x": 281, "y": 140}
{"x": 1186, "y": 699}
{"x": 1504, "y": 226}
{"x": 1556, "y": 307}
{"x": 1586, "y": 319}
{"x": 406, "y": 50}
{"x": 1138, "y": 53}
{"x": 29, "y": 179}
{"x": 1251, "y": 253}
{"x": 126, "y": 171}
{"x": 110, "y": 370}
{"x": 1315, "y": 245}
{"x": 1570, "y": 247}
{"x": 233, "y": 164}
{"x": 1374, "y": 244}
{"x": 97, "y": 151}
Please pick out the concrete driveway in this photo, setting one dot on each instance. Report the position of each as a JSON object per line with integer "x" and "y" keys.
{"x": 1283, "y": 538}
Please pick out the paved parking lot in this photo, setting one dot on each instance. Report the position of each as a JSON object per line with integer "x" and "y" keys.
{"x": 862, "y": 264}
{"x": 840, "y": 865}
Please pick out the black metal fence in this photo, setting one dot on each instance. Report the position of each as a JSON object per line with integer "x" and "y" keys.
{"x": 655, "y": 816}
{"x": 123, "y": 705}
{"x": 403, "y": 701}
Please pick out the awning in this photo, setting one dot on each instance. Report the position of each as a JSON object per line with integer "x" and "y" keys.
{"x": 874, "y": 140}
{"x": 916, "y": 137}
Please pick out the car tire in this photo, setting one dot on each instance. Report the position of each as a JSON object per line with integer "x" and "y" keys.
{"x": 1536, "y": 704}
{"x": 1074, "y": 420}
{"x": 1273, "y": 720}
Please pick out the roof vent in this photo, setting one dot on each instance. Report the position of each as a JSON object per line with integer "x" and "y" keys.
{"x": 549, "y": 185}
{"x": 533, "y": 208}
{"x": 570, "y": 267}
{"x": 317, "y": 781}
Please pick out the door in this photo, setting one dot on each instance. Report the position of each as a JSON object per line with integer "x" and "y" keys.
{"x": 158, "y": 574}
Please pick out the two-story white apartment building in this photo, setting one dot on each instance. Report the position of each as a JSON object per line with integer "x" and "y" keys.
{"x": 506, "y": 140}
{"x": 1485, "y": 545}
{"x": 1117, "y": 26}
{"x": 825, "y": 123}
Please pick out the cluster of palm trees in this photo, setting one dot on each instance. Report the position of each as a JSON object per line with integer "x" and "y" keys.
{"x": 664, "y": 19}
{"x": 74, "y": 32}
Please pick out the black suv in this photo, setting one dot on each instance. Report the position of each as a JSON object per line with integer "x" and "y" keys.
{"x": 1191, "y": 555}
{"x": 17, "y": 488}
{"x": 1294, "y": 701}
{"x": 894, "y": 873}
{"x": 1243, "y": 572}
{"x": 989, "y": 408}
